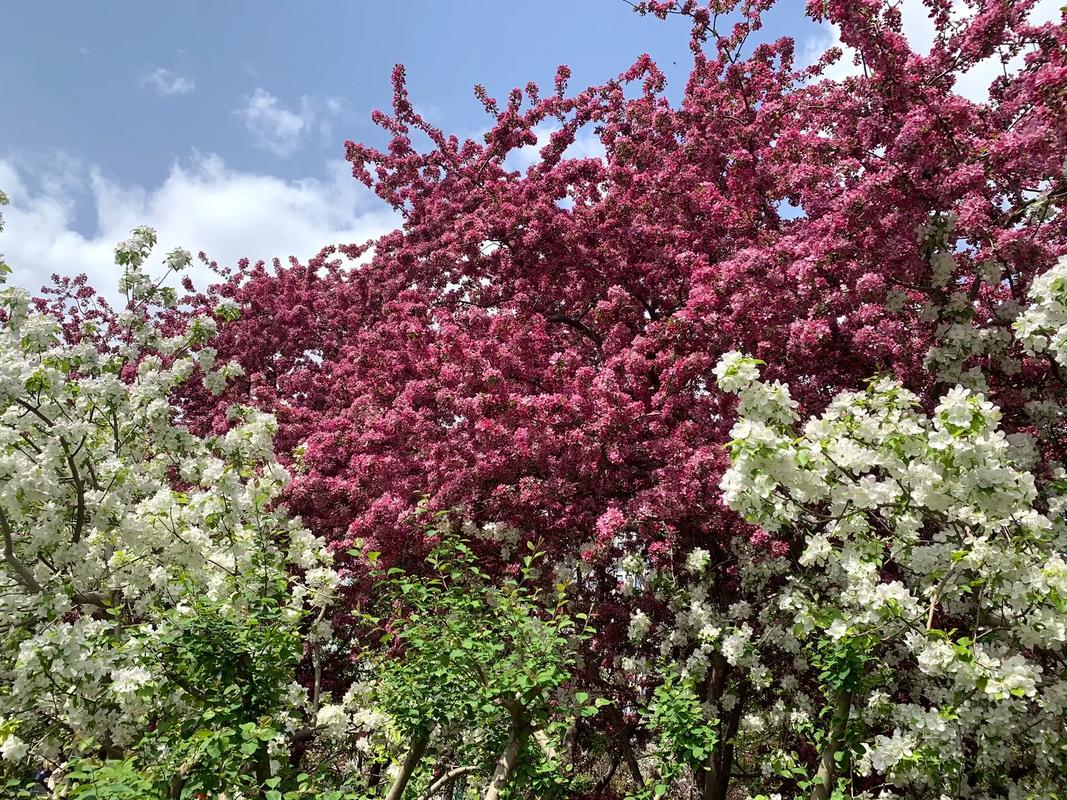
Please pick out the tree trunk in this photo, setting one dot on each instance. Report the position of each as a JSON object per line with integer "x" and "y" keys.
{"x": 721, "y": 762}
{"x": 570, "y": 741}
{"x": 301, "y": 741}
{"x": 624, "y": 733}
{"x": 631, "y": 763}
{"x": 605, "y": 781}
{"x": 374, "y": 775}
{"x": 718, "y": 768}
{"x": 505, "y": 765}
{"x": 827, "y": 774}
{"x": 263, "y": 773}
{"x": 177, "y": 783}
{"x": 547, "y": 747}
{"x": 446, "y": 780}
{"x": 407, "y": 769}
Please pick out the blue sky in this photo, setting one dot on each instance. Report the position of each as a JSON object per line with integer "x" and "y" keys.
{"x": 221, "y": 124}
{"x": 135, "y": 85}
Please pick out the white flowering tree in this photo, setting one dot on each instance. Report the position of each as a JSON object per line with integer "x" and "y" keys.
{"x": 154, "y": 602}
{"x": 906, "y": 634}
{"x": 916, "y": 637}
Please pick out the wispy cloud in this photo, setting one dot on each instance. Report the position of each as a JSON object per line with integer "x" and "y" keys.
{"x": 166, "y": 83}
{"x": 281, "y": 129}
{"x": 273, "y": 126}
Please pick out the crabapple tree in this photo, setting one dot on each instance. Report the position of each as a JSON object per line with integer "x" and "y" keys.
{"x": 156, "y": 601}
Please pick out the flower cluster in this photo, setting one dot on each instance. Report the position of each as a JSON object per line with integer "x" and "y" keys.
{"x": 1042, "y": 328}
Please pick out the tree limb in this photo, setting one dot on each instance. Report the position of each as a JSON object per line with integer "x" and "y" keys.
{"x": 446, "y": 779}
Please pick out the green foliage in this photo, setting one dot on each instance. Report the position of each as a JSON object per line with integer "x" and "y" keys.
{"x": 234, "y": 675}
{"x": 116, "y": 779}
{"x": 475, "y": 657}
{"x": 684, "y": 738}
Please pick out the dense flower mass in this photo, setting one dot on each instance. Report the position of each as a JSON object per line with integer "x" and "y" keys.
{"x": 718, "y": 451}
{"x": 536, "y": 346}
{"x": 1043, "y": 327}
{"x": 925, "y": 557}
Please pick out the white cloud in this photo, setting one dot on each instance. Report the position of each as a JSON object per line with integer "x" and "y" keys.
{"x": 586, "y": 145}
{"x": 918, "y": 27}
{"x": 828, "y": 36}
{"x": 166, "y": 83}
{"x": 201, "y": 205}
{"x": 273, "y": 126}
{"x": 282, "y": 130}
